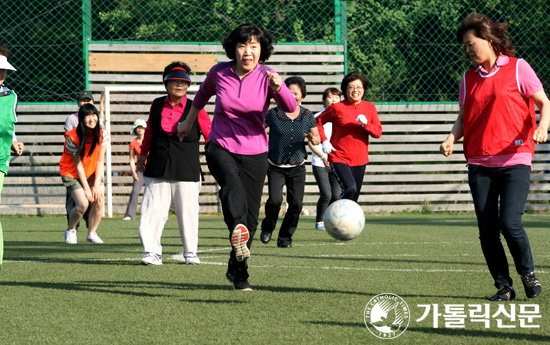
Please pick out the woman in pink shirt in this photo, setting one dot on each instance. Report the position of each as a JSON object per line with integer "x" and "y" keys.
{"x": 173, "y": 170}
{"x": 497, "y": 120}
{"x": 237, "y": 148}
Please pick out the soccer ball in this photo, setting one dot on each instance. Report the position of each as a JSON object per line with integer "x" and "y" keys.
{"x": 344, "y": 219}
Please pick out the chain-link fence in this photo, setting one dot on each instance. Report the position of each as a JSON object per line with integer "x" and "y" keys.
{"x": 407, "y": 49}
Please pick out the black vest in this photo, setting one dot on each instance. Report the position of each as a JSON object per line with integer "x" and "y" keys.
{"x": 168, "y": 156}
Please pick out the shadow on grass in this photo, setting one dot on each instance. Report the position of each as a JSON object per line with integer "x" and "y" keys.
{"x": 373, "y": 259}
{"x": 500, "y": 334}
{"x": 126, "y": 287}
{"x": 427, "y": 221}
{"x": 336, "y": 323}
{"x": 29, "y": 249}
{"x": 449, "y": 221}
{"x": 505, "y": 336}
{"x": 210, "y": 301}
{"x": 121, "y": 288}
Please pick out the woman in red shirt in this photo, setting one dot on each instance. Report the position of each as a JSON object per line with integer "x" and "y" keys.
{"x": 353, "y": 122}
{"x": 81, "y": 168}
{"x": 497, "y": 120}
{"x": 139, "y": 179}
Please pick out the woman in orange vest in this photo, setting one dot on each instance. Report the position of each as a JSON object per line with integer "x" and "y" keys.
{"x": 81, "y": 168}
{"x": 497, "y": 120}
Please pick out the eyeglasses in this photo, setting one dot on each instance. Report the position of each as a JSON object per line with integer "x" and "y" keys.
{"x": 358, "y": 88}
{"x": 178, "y": 82}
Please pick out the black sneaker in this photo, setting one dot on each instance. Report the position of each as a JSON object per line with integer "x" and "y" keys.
{"x": 265, "y": 236}
{"x": 505, "y": 293}
{"x": 229, "y": 277}
{"x": 531, "y": 284}
{"x": 242, "y": 285}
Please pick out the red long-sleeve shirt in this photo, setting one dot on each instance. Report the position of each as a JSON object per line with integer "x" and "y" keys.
{"x": 349, "y": 138}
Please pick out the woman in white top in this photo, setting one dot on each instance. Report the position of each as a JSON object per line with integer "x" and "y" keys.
{"x": 329, "y": 188}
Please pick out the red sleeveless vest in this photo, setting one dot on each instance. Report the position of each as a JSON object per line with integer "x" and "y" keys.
{"x": 498, "y": 119}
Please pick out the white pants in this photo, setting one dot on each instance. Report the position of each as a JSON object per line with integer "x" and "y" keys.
{"x": 158, "y": 195}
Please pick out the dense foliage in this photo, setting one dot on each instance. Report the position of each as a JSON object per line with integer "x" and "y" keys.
{"x": 407, "y": 49}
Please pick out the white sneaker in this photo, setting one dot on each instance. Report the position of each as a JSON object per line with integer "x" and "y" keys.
{"x": 191, "y": 259}
{"x": 126, "y": 218}
{"x": 151, "y": 259}
{"x": 320, "y": 226}
{"x": 70, "y": 236}
{"x": 239, "y": 238}
{"x": 93, "y": 238}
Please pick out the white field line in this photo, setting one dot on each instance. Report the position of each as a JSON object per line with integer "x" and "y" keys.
{"x": 179, "y": 257}
{"x": 362, "y": 268}
{"x": 350, "y": 244}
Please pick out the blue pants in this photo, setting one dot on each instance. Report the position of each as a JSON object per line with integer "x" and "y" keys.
{"x": 350, "y": 178}
{"x": 511, "y": 184}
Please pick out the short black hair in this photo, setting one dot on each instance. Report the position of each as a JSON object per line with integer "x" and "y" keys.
{"x": 298, "y": 81}
{"x": 245, "y": 32}
{"x": 352, "y": 76}
{"x": 174, "y": 64}
{"x": 5, "y": 50}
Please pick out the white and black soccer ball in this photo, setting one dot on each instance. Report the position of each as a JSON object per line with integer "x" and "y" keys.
{"x": 344, "y": 219}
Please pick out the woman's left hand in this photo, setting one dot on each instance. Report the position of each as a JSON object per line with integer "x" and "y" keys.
{"x": 97, "y": 196}
{"x": 18, "y": 147}
{"x": 314, "y": 139}
{"x": 540, "y": 135}
{"x": 275, "y": 81}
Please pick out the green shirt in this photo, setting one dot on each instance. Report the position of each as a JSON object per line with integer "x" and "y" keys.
{"x": 7, "y": 123}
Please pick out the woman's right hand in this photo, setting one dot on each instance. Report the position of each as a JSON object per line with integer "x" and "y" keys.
{"x": 183, "y": 129}
{"x": 446, "y": 148}
{"x": 325, "y": 161}
{"x": 140, "y": 164}
{"x": 135, "y": 176}
{"x": 327, "y": 147}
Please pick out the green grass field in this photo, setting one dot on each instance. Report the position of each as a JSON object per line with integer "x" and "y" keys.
{"x": 313, "y": 293}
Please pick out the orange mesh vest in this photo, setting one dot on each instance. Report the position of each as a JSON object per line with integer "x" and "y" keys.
{"x": 66, "y": 164}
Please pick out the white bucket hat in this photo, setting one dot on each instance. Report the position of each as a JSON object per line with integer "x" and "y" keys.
{"x": 138, "y": 123}
{"x": 4, "y": 64}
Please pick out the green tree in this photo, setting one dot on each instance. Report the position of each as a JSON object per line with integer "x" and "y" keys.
{"x": 46, "y": 44}
{"x": 211, "y": 20}
{"x": 408, "y": 49}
